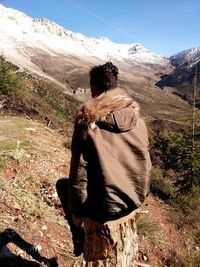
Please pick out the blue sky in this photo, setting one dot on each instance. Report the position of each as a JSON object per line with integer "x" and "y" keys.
{"x": 164, "y": 26}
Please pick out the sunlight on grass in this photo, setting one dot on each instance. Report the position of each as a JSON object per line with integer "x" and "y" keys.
{"x": 149, "y": 230}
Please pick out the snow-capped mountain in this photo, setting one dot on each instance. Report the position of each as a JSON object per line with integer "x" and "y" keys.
{"x": 189, "y": 55}
{"x": 21, "y": 35}
{"x": 181, "y": 79}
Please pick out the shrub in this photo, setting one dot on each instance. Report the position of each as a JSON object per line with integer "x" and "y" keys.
{"x": 180, "y": 153}
{"x": 162, "y": 183}
{"x": 9, "y": 81}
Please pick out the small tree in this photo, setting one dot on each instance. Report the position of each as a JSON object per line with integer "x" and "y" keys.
{"x": 8, "y": 79}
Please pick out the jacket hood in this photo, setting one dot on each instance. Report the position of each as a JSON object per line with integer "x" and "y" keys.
{"x": 113, "y": 109}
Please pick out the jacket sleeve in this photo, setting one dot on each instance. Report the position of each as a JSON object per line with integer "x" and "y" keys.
{"x": 78, "y": 176}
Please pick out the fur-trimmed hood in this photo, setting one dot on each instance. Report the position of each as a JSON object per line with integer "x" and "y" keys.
{"x": 114, "y": 108}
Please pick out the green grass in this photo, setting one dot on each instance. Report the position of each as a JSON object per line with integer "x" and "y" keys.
{"x": 3, "y": 161}
{"x": 149, "y": 230}
{"x": 12, "y": 150}
{"x": 38, "y": 99}
{"x": 12, "y": 145}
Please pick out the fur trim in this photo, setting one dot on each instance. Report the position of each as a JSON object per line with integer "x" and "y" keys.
{"x": 97, "y": 108}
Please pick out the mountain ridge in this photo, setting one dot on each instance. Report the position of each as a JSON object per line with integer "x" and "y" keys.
{"x": 34, "y": 44}
{"x": 19, "y": 29}
{"x": 47, "y": 35}
{"x": 42, "y": 47}
{"x": 189, "y": 55}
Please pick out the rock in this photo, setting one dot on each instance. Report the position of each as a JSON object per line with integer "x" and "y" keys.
{"x": 38, "y": 248}
{"x": 144, "y": 257}
{"x": 44, "y": 227}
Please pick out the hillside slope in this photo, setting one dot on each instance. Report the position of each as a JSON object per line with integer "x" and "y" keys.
{"x": 41, "y": 99}
{"x": 32, "y": 158}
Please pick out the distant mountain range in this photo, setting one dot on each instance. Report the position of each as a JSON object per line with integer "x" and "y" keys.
{"x": 21, "y": 35}
{"x": 181, "y": 80}
{"x": 42, "y": 47}
{"x": 191, "y": 56}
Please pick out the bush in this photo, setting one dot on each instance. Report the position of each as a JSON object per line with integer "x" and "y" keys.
{"x": 180, "y": 153}
{"x": 162, "y": 183}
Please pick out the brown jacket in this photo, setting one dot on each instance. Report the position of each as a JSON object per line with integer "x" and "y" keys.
{"x": 110, "y": 165}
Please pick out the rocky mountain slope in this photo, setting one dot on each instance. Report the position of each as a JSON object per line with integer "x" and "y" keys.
{"x": 23, "y": 39}
{"x": 189, "y": 55}
{"x": 46, "y": 49}
{"x": 181, "y": 80}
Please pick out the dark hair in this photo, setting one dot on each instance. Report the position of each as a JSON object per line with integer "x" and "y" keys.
{"x": 104, "y": 77}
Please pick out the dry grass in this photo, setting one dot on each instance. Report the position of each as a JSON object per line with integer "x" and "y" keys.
{"x": 149, "y": 231}
{"x": 28, "y": 201}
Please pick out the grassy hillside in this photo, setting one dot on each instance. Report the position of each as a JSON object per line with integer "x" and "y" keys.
{"x": 45, "y": 100}
{"x": 32, "y": 158}
{"x": 28, "y": 95}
